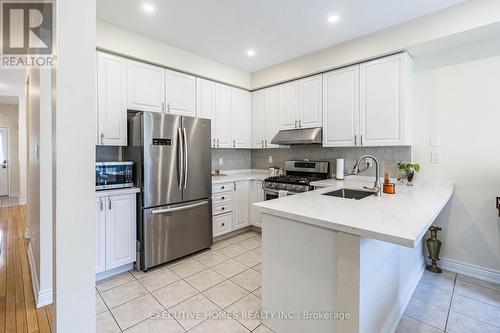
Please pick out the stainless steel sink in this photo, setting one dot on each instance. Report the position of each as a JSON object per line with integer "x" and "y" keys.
{"x": 349, "y": 194}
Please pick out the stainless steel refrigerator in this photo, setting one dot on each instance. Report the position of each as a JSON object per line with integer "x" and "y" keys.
{"x": 172, "y": 156}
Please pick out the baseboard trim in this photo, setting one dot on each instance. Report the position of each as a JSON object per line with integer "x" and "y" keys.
{"x": 481, "y": 273}
{"x": 23, "y": 201}
{"x": 114, "y": 271}
{"x": 42, "y": 297}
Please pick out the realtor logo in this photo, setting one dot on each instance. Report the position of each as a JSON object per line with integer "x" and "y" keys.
{"x": 27, "y": 33}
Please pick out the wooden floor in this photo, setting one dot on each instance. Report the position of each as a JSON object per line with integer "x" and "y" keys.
{"x": 17, "y": 305}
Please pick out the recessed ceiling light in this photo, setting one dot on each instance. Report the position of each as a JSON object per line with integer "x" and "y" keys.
{"x": 148, "y": 8}
{"x": 333, "y": 18}
{"x": 250, "y": 53}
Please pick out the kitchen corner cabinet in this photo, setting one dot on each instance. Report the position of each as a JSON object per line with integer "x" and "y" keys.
{"x": 145, "y": 87}
{"x": 240, "y": 118}
{"x": 111, "y": 100}
{"x": 241, "y": 199}
{"x": 180, "y": 93}
{"x": 223, "y": 122}
{"x": 116, "y": 231}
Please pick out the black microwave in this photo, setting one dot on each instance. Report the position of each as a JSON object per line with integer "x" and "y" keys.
{"x": 113, "y": 175}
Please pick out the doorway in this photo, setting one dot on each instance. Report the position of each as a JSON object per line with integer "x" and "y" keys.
{"x": 4, "y": 162}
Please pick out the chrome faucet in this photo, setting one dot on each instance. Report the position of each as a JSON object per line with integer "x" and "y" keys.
{"x": 377, "y": 188}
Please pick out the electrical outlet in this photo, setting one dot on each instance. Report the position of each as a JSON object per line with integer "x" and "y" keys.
{"x": 369, "y": 162}
{"x": 270, "y": 159}
{"x": 436, "y": 157}
{"x": 221, "y": 161}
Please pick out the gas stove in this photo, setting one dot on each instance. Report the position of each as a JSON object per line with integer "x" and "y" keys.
{"x": 299, "y": 175}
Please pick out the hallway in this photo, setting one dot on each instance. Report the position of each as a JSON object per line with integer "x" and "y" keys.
{"x": 17, "y": 305}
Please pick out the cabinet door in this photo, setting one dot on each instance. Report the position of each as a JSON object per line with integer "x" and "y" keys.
{"x": 384, "y": 101}
{"x": 240, "y": 115}
{"x": 120, "y": 230}
{"x": 341, "y": 107}
{"x": 258, "y": 118}
{"x": 288, "y": 102}
{"x": 205, "y": 103}
{"x": 112, "y": 100}
{"x": 223, "y": 121}
{"x": 310, "y": 102}
{"x": 100, "y": 220}
{"x": 145, "y": 87}
{"x": 241, "y": 200}
{"x": 271, "y": 117}
{"x": 222, "y": 224}
{"x": 180, "y": 93}
{"x": 256, "y": 195}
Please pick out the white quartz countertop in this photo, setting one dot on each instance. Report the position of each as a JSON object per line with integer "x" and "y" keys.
{"x": 401, "y": 218}
{"x": 240, "y": 175}
{"x": 118, "y": 191}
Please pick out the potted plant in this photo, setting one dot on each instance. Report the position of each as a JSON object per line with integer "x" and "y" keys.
{"x": 407, "y": 171}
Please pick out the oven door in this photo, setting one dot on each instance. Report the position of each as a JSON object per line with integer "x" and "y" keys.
{"x": 270, "y": 194}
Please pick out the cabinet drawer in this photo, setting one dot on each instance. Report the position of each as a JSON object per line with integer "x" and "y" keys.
{"x": 222, "y": 224}
{"x": 222, "y": 198}
{"x": 219, "y": 188}
{"x": 221, "y": 209}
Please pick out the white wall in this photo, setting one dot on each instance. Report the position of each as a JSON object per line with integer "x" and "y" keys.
{"x": 456, "y": 20}
{"x": 456, "y": 95}
{"x": 23, "y": 196}
{"x": 9, "y": 119}
{"x": 128, "y": 43}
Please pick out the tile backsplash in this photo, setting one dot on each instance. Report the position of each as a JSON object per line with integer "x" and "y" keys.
{"x": 108, "y": 154}
{"x": 233, "y": 159}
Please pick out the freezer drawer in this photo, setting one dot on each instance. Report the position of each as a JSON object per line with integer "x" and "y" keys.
{"x": 173, "y": 231}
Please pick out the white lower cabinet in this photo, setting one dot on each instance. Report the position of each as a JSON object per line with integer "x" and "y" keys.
{"x": 222, "y": 224}
{"x": 241, "y": 204}
{"x": 256, "y": 195}
{"x": 116, "y": 231}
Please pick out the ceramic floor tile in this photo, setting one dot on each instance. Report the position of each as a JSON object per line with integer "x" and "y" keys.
{"x": 135, "y": 311}
{"x": 258, "y": 292}
{"x": 458, "y": 323}
{"x": 477, "y": 292}
{"x": 212, "y": 258}
{"x": 233, "y": 251}
{"x": 100, "y": 306}
{"x": 114, "y": 281}
{"x": 429, "y": 313}
{"x": 258, "y": 267}
{"x": 106, "y": 324}
{"x": 478, "y": 282}
{"x": 250, "y": 244}
{"x": 410, "y": 325}
{"x": 242, "y": 237}
{"x": 229, "y": 268}
{"x": 159, "y": 279}
{"x": 445, "y": 280}
{"x": 258, "y": 250}
{"x": 220, "y": 326}
{"x": 123, "y": 294}
{"x": 221, "y": 244}
{"x": 476, "y": 310}
{"x": 204, "y": 279}
{"x": 249, "y": 279}
{"x": 194, "y": 311}
{"x": 249, "y": 259}
{"x": 141, "y": 274}
{"x": 262, "y": 329}
{"x": 225, "y": 293}
{"x": 187, "y": 268}
{"x": 160, "y": 323}
{"x": 247, "y": 311}
{"x": 427, "y": 292}
{"x": 174, "y": 293}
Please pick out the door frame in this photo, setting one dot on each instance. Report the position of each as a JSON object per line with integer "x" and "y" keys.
{"x": 8, "y": 160}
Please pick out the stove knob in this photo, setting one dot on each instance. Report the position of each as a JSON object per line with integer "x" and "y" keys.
{"x": 294, "y": 187}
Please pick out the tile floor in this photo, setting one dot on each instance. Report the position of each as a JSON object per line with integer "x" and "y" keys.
{"x": 225, "y": 283}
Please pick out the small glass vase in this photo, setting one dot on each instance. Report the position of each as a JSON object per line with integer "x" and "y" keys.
{"x": 409, "y": 178}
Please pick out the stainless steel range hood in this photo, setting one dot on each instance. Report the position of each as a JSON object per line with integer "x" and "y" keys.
{"x": 303, "y": 136}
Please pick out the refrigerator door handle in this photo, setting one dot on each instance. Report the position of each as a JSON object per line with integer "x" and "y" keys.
{"x": 186, "y": 158}
{"x": 176, "y": 209}
{"x": 181, "y": 159}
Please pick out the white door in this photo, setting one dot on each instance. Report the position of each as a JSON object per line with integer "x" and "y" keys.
{"x": 341, "y": 107}
{"x": 310, "y": 102}
{"x": 180, "y": 93}
{"x": 241, "y": 199}
{"x": 288, "y": 103}
{"x": 205, "y": 103}
{"x": 223, "y": 121}
{"x": 145, "y": 87}
{"x": 384, "y": 101}
{"x": 112, "y": 100}
{"x": 258, "y": 118}
{"x": 100, "y": 223}
{"x": 271, "y": 116}
{"x": 120, "y": 230}
{"x": 256, "y": 195}
{"x": 240, "y": 115}
{"x": 4, "y": 161}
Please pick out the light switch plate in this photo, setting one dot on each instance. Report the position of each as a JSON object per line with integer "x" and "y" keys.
{"x": 270, "y": 159}
{"x": 221, "y": 161}
{"x": 436, "y": 157}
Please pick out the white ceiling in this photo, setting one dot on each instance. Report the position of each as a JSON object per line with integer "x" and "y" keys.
{"x": 278, "y": 30}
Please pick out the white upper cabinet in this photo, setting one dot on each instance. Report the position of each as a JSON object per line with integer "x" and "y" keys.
{"x": 180, "y": 93}
{"x": 111, "y": 100}
{"x": 241, "y": 201}
{"x": 385, "y": 101}
{"x": 310, "y": 102}
{"x": 271, "y": 116}
{"x": 205, "y": 103}
{"x": 258, "y": 118}
{"x": 240, "y": 115}
{"x": 145, "y": 87}
{"x": 288, "y": 104}
{"x": 341, "y": 107}
{"x": 223, "y": 122}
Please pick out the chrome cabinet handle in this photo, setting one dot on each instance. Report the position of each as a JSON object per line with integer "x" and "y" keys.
{"x": 295, "y": 123}
{"x": 262, "y": 143}
{"x": 168, "y": 107}
{"x": 214, "y": 142}
{"x": 109, "y": 203}
{"x": 102, "y": 138}
{"x": 217, "y": 143}
{"x": 186, "y": 158}
{"x": 355, "y": 140}
{"x": 266, "y": 143}
{"x": 300, "y": 123}
{"x": 101, "y": 206}
{"x": 163, "y": 106}
{"x": 234, "y": 143}
{"x": 176, "y": 209}
{"x": 181, "y": 159}
{"x": 361, "y": 139}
